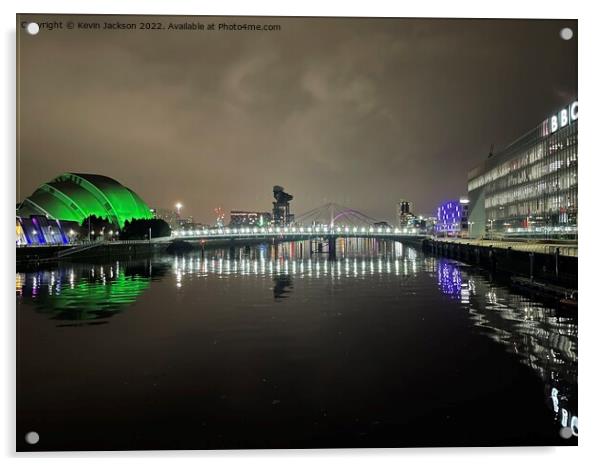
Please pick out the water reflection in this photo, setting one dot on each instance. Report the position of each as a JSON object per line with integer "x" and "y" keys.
{"x": 194, "y": 266}
{"x": 356, "y": 258}
{"x": 283, "y": 285}
{"x": 449, "y": 279}
{"x": 540, "y": 337}
{"x": 87, "y": 292}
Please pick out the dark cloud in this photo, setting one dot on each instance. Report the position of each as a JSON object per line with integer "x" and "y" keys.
{"x": 356, "y": 111}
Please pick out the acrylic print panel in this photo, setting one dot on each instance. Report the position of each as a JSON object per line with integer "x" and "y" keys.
{"x": 269, "y": 232}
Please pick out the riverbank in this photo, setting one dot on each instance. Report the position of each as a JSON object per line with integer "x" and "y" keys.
{"x": 34, "y": 256}
{"x": 525, "y": 260}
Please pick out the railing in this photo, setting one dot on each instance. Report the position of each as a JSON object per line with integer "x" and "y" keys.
{"x": 340, "y": 231}
{"x": 79, "y": 248}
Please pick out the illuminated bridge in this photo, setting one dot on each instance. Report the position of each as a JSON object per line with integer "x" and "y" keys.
{"x": 321, "y": 226}
{"x": 329, "y": 220}
{"x": 298, "y": 233}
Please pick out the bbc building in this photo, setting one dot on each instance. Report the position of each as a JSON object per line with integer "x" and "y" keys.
{"x": 530, "y": 188}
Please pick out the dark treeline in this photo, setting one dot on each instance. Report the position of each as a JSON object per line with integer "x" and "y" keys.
{"x": 140, "y": 229}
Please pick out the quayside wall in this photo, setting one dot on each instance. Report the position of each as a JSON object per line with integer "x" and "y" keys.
{"x": 555, "y": 269}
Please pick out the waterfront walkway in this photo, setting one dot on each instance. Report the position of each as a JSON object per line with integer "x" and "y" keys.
{"x": 564, "y": 249}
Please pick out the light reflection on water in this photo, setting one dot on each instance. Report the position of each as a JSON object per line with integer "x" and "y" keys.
{"x": 86, "y": 292}
{"x": 541, "y": 339}
{"x": 301, "y": 268}
{"x": 539, "y": 336}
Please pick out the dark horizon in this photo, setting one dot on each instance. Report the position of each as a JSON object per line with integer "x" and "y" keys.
{"x": 361, "y": 112}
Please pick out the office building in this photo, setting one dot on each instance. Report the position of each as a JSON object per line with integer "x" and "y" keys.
{"x": 529, "y": 189}
{"x": 452, "y": 218}
{"x": 239, "y": 218}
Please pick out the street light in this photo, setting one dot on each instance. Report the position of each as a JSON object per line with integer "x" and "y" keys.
{"x": 178, "y": 207}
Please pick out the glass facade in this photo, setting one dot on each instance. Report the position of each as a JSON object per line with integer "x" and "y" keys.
{"x": 530, "y": 188}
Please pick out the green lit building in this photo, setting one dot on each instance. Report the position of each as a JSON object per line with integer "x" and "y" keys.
{"x": 76, "y": 196}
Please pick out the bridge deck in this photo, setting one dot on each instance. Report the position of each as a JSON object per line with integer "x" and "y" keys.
{"x": 297, "y": 232}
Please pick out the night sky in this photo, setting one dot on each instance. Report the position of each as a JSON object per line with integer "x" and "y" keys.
{"x": 361, "y": 112}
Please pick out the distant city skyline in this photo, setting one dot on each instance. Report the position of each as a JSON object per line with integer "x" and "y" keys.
{"x": 361, "y": 112}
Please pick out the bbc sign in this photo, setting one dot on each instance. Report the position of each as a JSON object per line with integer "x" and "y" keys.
{"x": 565, "y": 117}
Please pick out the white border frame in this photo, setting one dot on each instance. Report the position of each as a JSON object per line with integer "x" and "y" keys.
{"x": 590, "y": 168}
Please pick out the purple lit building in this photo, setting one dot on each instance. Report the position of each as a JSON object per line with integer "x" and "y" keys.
{"x": 452, "y": 218}
{"x": 38, "y": 230}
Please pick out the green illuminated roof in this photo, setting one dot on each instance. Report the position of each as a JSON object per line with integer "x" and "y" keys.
{"x": 76, "y": 196}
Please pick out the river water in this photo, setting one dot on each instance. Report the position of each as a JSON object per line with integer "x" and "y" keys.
{"x": 269, "y": 347}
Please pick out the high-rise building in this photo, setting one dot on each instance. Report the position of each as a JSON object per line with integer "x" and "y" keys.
{"x": 529, "y": 188}
{"x": 170, "y": 216}
{"x": 405, "y": 212}
{"x": 281, "y": 209}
